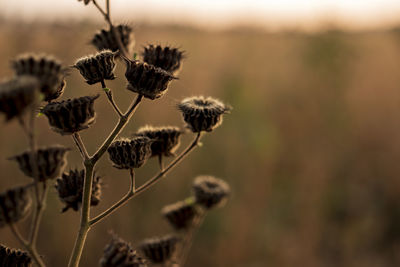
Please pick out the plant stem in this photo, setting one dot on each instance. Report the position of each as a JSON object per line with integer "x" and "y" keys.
{"x": 111, "y": 99}
{"x": 160, "y": 162}
{"x": 38, "y": 217}
{"x": 81, "y": 146}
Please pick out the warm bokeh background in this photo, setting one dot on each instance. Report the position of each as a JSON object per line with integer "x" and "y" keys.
{"x": 311, "y": 148}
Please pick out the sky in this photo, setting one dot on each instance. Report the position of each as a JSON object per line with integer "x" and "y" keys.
{"x": 273, "y": 14}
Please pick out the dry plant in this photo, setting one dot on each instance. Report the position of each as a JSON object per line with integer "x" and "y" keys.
{"x": 41, "y": 79}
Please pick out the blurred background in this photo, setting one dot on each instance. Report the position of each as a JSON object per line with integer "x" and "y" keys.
{"x": 311, "y": 148}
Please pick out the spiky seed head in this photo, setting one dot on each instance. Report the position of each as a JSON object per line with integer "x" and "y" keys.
{"x": 130, "y": 153}
{"x": 17, "y": 94}
{"x": 210, "y": 192}
{"x": 98, "y": 67}
{"x": 14, "y": 257}
{"x": 86, "y": 2}
{"x": 70, "y": 189}
{"x": 165, "y": 139}
{"x": 119, "y": 253}
{"x": 167, "y": 58}
{"x": 159, "y": 249}
{"x": 48, "y": 71}
{"x": 181, "y": 214}
{"x": 72, "y": 115}
{"x": 146, "y": 79}
{"x": 105, "y": 39}
{"x": 14, "y": 205}
{"x": 50, "y": 162}
{"x": 202, "y": 114}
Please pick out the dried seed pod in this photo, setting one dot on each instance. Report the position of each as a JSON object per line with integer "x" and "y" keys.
{"x": 210, "y": 192}
{"x": 159, "y": 250}
{"x": 97, "y": 68}
{"x": 146, "y": 79}
{"x": 165, "y": 139}
{"x": 17, "y": 95}
{"x": 105, "y": 39}
{"x": 202, "y": 114}
{"x": 167, "y": 58}
{"x": 50, "y": 162}
{"x": 46, "y": 69}
{"x": 86, "y": 2}
{"x": 181, "y": 214}
{"x": 130, "y": 153}
{"x": 14, "y": 205}
{"x": 70, "y": 189}
{"x": 72, "y": 115}
{"x": 14, "y": 257}
{"x": 119, "y": 253}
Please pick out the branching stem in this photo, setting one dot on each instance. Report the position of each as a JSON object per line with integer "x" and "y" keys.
{"x": 110, "y": 98}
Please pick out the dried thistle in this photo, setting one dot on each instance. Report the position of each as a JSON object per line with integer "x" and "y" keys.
{"x": 210, "y": 192}
{"x": 14, "y": 257}
{"x": 159, "y": 249}
{"x": 50, "y": 162}
{"x": 105, "y": 39}
{"x": 146, "y": 79}
{"x": 97, "y": 68}
{"x": 14, "y": 205}
{"x": 167, "y": 58}
{"x": 72, "y": 115}
{"x": 70, "y": 189}
{"x": 181, "y": 214}
{"x": 130, "y": 153}
{"x": 202, "y": 114}
{"x": 46, "y": 69}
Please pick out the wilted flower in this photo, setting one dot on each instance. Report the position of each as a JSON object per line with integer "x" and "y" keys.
{"x": 46, "y": 69}
{"x": 210, "y": 192}
{"x": 130, "y": 153}
{"x": 70, "y": 189}
{"x": 159, "y": 250}
{"x": 167, "y": 58}
{"x": 18, "y": 94}
{"x": 181, "y": 214}
{"x": 14, "y": 257}
{"x": 202, "y": 114}
{"x": 147, "y": 80}
{"x": 72, "y": 115}
{"x": 14, "y": 205}
{"x": 50, "y": 162}
{"x": 105, "y": 39}
{"x": 97, "y": 68}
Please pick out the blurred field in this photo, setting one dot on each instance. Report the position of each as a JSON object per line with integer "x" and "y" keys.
{"x": 311, "y": 149}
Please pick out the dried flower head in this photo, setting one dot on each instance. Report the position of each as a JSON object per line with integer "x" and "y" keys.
{"x": 105, "y": 39}
{"x": 97, "y": 68}
{"x": 14, "y": 257}
{"x": 165, "y": 139}
{"x": 202, "y": 114}
{"x": 17, "y": 95}
{"x": 86, "y": 2}
{"x": 70, "y": 189}
{"x": 159, "y": 250}
{"x": 46, "y": 69}
{"x": 130, "y": 153}
{"x": 210, "y": 192}
{"x": 119, "y": 253}
{"x": 72, "y": 115}
{"x": 167, "y": 58}
{"x": 146, "y": 79}
{"x": 50, "y": 162}
{"x": 181, "y": 214}
{"x": 14, "y": 205}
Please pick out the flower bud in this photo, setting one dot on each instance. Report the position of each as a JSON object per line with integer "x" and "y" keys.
{"x": 210, "y": 192}
{"x": 159, "y": 250}
{"x": 167, "y": 58}
{"x": 105, "y": 39}
{"x": 14, "y": 205}
{"x": 181, "y": 214}
{"x": 130, "y": 153}
{"x": 14, "y": 257}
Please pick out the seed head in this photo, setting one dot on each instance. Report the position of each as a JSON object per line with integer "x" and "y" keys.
{"x": 167, "y": 58}
{"x": 105, "y": 39}
{"x": 119, "y": 253}
{"x": 46, "y": 69}
{"x": 50, "y": 162}
{"x": 17, "y": 95}
{"x": 70, "y": 189}
{"x": 130, "y": 153}
{"x": 146, "y": 79}
{"x": 96, "y": 68}
{"x": 159, "y": 250}
{"x": 210, "y": 192}
{"x": 202, "y": 114}
{"x": 14, "y": 257}
{"x": 181, "y": 214}
{"x": 72, "y": 115}
{"x": 14, "y": 205}
{"x": 86, "y": 2}
{"x": 165, "y": 139}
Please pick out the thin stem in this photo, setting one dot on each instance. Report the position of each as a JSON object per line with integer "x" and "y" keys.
{"x": 100, "y": 9}
{"x": 110, "y": 98}
{"x": 160, "y": 162}
{"x": 38, "y": 217}
{"x": 133, "y": 180}
{"x": 146, "y": 185}
{"x": 108, "y": 7}
{"x": 81, "y": 146}
{"x": 188, "y": 241}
